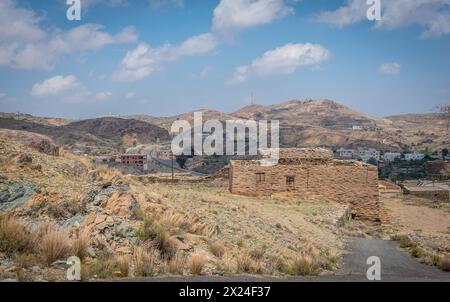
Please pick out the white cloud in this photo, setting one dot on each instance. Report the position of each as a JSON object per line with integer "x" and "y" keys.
{"x": 433, "y": 16}
{"x": 390, "y": 68}
{"x": 56, "y": 86}
{"x": 282, "y": 60}
{"x": 130, "y": 95}
{"x": 3, "y": 95}
{"x": 144, "y": 60}
{"x": 24, "y": 44}
{"x": 67, "y": 89}
{"x": 233, "y": 15}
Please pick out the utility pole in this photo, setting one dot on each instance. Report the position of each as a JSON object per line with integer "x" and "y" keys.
{"x": 173, "y": 176}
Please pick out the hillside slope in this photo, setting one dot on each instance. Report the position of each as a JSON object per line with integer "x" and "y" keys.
{"x": 96, "y": 136}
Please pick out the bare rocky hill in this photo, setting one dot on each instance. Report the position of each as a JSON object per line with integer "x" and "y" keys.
{"x": 303, "y": 124}
{"x": 96, "y": 136}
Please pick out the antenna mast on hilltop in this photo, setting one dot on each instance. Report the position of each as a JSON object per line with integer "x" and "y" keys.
{"x": 252, "y": 100}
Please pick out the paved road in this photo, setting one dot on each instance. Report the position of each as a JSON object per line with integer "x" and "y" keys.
{"x": 396, "y": 266}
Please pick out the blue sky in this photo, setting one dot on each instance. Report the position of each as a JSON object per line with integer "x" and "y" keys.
{"x": 164, "y": 57}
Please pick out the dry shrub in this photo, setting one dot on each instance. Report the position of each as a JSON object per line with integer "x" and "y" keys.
{"x": 257, "y": 253}
{"x": 404, "y": 240}
{"x": 81, "y": 244}
{"x": 14, "y": 237}
{"x": 305, "y": 265}
{"x": 445, "y": 263}
{"x": 54, "y": 245}
{"x": 105, "y": 173}
{"x": 144, "y": 261}
{"x": 246, "y": 264}
{"x": 176, "y": 264}
{"x": 154, "y": 232}
{"x": 171, "y": 220}
{"x": 122, "y": 266}
{"x": 228, "y": 263}
{"x": 197, "y": 263}
{"x": 110, "y": 267}
{"x": 217, "y": 249}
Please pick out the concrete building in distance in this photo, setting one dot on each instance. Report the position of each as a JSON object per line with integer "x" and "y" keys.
{"x": 309, "y": 173}
{"x": 366, "y": 154}
{"x": 138, "y": 161}
{"x": 391, "y": 156}
{"x": 345, "y": 153}
{"x": 414, "y": 156}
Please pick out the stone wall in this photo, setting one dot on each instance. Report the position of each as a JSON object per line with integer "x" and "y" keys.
{"x": 436, "y": 194}
{"x": 348, "y": 182}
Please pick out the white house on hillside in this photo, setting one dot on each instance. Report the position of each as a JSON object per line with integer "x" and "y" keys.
{"x": 345, "y": 153}
{"x": 367, "y": 154}
{"x": 414, "y": 156}
{"x": 391, "y": 156}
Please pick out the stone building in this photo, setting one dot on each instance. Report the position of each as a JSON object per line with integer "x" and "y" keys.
{"x": 138, "y": 161}
{"x": 306, "y": 173}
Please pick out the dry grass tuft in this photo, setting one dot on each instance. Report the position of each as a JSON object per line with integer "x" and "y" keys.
{"x": 144, "y": 262}
{"x": 158, "y": 236}
{"x": 105, "y": 173}
{"x": 176, "y": 264}
{"x": 246, "y": 264}
{"x": 304, "y": 266}
{"x": 81, "y": 244}
{"x": 445, "y": 263}
{"x": 110, "y": 267}
{"x": 197, "y": 263}
{"x": 217, "y": 249}
{"x": 55, "y": 245}
{"x": 14, "y": 237}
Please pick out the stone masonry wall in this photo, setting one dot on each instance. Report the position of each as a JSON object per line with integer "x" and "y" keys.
{"x": 340, "y": 181}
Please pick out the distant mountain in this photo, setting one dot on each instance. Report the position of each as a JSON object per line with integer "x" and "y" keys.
{"x": 327, "y": 123}
{"x": 302, "y": 124}
{"x": 49, "y": 121}
{"x": 94, "y": 136}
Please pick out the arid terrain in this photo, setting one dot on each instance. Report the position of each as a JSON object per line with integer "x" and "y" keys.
{"x": 55, "y": 206}
{"x": 55, "y": 202}
{"x": 303, "y": 124}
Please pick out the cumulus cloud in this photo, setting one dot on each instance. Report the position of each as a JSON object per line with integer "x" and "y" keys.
{"x": 67, "y": 89}
{"x": 390, "y": 68}
{"x": 24, "y": 44}
{"x": 233, "y": 15}
{"x": 144, "y": 60}
{"x": 282, "y": 60}
{"x": 56, "y": 86}
{"x": 433, "y": 16}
